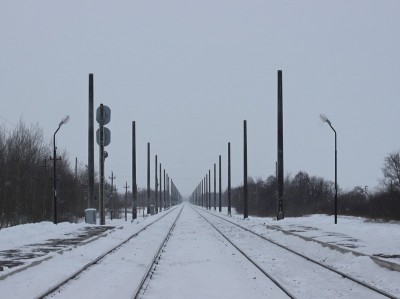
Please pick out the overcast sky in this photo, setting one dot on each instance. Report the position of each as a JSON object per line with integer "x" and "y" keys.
{"x": 189, "y": 72}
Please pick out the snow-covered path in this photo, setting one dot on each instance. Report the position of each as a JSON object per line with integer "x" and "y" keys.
{"x": 199, "y": 263}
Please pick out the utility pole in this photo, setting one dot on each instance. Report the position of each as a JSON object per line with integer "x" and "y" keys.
{"x": 219, "y": 195}
{"x": 229, "y": 178}
{"x": 160, "y": 198}
{"x": 280, "y": 178}
{"x": 101, "y": 162}
{"x": 202, "y": 193}
{"x": 112, "y": 178}
{"x": 126, "y": 201}
{"x": 165, "y": 201}
{"x": 245, "y": 199}
{"x": 91, "y": 146}
{"x": 156, "y": 186}
{"x": 134, "y": 185}
{"x": 206, "y": 191}
{"x": 215, "y": 187}
{"x": 148, "y": 178}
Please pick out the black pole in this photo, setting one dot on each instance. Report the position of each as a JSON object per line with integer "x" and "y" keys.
{"x": 209, "y": 189}
{"x": 202, "y": 193}
{"x": 325, "y": 119}
{"x": 91, "y": 145}
{"x": 280, "y": 149}
{"x": 206, "y": 201}
{"x": 160, "y": 197}
{"x": 219, "y": 195}
{"x": 245, "y": 199}
{"x": 126, "y": 201}
{"x": 165, "y": 201}
{"x": 336, "y": 203}
{"x": 215, "y": 187}
{"x": 55, "y": 175}
{"x": 156, "y": 186}
{"x": 134, "y": 185}
{"x": 229, "y": 178}
{"x": 101, "y": 162}
{"x": 148, "y": 178}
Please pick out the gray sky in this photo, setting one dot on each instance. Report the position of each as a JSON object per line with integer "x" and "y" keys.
{"x": 189, "y": 72}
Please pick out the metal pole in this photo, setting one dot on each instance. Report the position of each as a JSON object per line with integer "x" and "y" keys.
{"x": 202, "y": 193}
{"x": 126, "y": 201}
{"x": 206, "y": 199}
{"x": 215, "y": 187}
{"x": 336, "y": 203}
{"x": 101, "y": 158}
{"x": 280, "y": 149}
{"x": 168, "y": 191}
{"x": 148, "y": 178}
{"x": 55, "y": 175}
{"x": 209, "y": 189}
{"x": 134, "y": 185}
{"x": 245, "y": 199}
{"x": 112, "y": 198}
{"x": 160, "y": 197}
{"x": 156, "y": 186}
{"x": 325, "y": 119}
{"x": 219, "y": 195}
{"x": 164, "y": 193}
{"x": 229, "y": 178}
{"x": 91, "y": 145}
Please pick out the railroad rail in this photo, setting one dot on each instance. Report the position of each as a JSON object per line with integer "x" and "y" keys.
{"x": 153, "y": 262}
{"x": 93, "y": 262}
{"x": 342, "y": 274}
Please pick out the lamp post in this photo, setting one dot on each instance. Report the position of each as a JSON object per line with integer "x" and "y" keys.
{"x": 64, "y": 121}
{"x": 326, "y": 120}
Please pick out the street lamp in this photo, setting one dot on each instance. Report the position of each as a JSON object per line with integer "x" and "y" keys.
{"x": 326, "y": 120}
{"x": 64, "y": 121}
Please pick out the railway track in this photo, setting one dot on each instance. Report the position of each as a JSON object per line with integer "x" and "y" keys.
{"x": 198, "y": 263}
{"x": 259, "y": 261}
{"x": 62, "y": 288}
{"x": 141, "y": 287}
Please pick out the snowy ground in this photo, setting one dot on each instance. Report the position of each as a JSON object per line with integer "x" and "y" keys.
{"x": 196, "y": 262}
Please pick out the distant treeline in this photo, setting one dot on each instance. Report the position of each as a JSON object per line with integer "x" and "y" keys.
{"x": 306, "y": 195}
{"x": 26, "y": 187}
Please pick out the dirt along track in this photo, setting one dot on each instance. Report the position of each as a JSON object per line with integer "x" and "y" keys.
{"x": 198, "y": 263}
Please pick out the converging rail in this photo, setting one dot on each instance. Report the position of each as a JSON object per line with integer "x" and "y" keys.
{"x": 156, "y": 257}
{"x": 275, "y": 281}
{"x": 330, "y": 269}
{"x": 95, "y": 261}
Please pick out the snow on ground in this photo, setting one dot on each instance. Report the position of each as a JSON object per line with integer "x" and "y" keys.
{"x": 198, "y": 263}
{"x": 353, "y": 233}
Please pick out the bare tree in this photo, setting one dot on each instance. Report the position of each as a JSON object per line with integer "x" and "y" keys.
{"x": 391, "y": 172}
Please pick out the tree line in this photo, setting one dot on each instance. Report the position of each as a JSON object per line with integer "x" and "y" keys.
{"x": 305, "y": 195}
{"x": 26, "y": 187}
{"x": 26, "y": 182}
{"x": 26, "y": 179}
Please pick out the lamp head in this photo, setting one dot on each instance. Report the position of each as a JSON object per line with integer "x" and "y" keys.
{"x": 64, "y": 120}
{"x": 325, "y": 119}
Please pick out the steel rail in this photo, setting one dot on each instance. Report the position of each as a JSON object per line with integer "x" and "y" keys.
{"x": 344, "y": 275}
{"x": 155, "y": 258}
{"x": 277, "y": 283}
{"x": 96, "y": 260}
